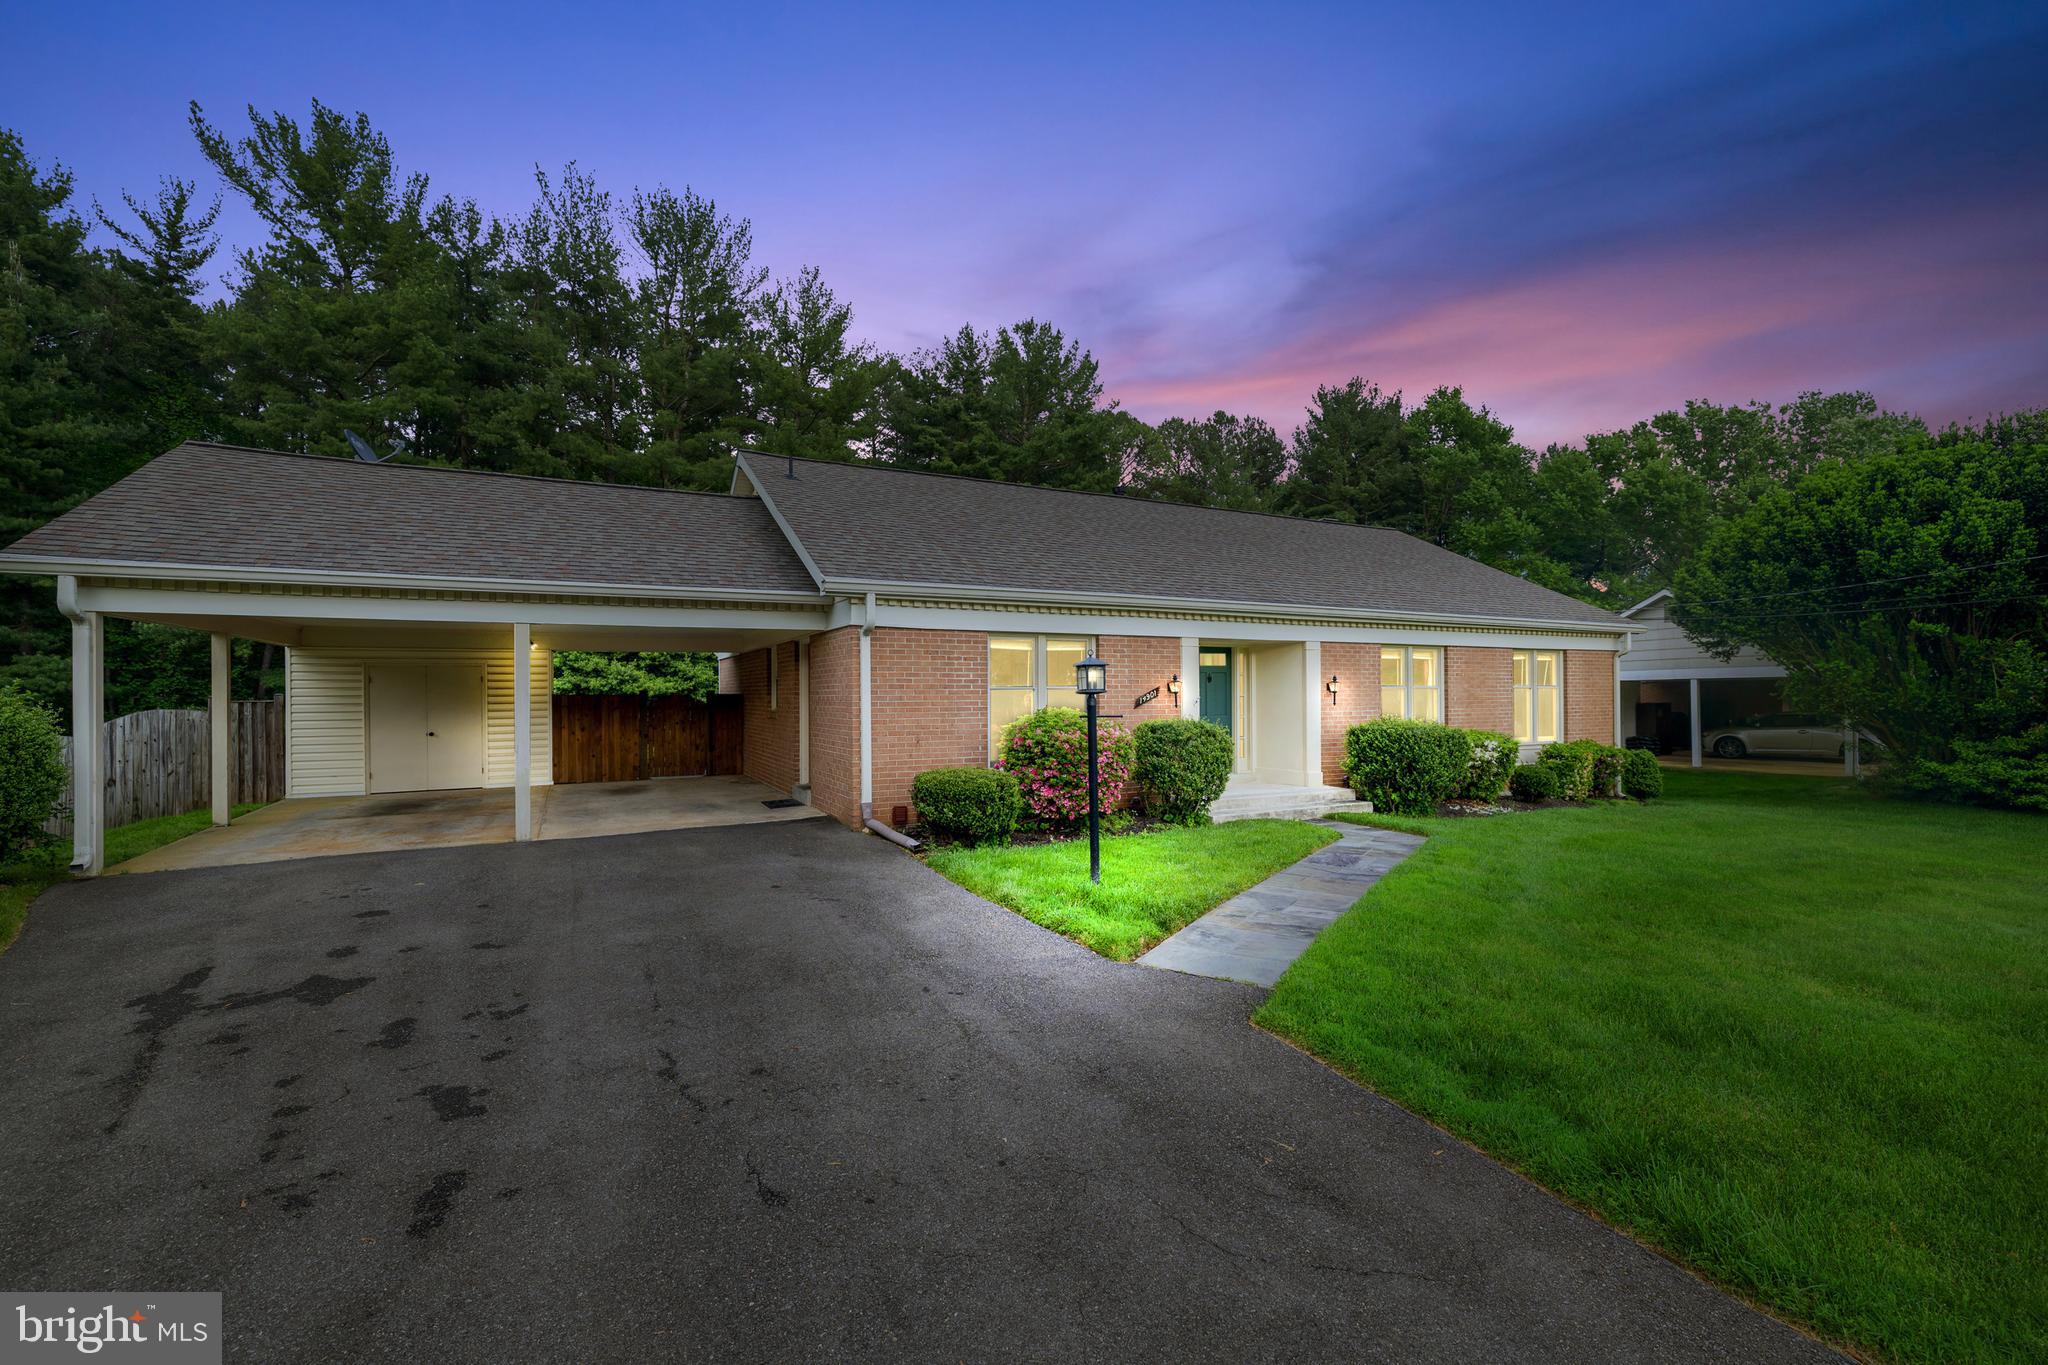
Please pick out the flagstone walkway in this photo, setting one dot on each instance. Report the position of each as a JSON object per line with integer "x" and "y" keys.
{"x": 1256, "y": 935}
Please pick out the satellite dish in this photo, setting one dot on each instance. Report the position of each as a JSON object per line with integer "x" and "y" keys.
{"x": 365, "y": 453}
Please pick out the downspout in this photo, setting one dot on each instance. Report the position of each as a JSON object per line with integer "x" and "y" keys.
{"x": 867, "y": 735}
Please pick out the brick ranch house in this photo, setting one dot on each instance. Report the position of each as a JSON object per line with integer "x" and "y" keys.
{"x": 881, "y": 622}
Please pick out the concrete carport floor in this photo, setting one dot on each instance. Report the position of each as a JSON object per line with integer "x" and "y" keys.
{"x": 314, "y": 827}
{"x": 768, "y": 1092}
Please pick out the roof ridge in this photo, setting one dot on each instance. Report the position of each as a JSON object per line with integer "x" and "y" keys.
{"x": 455, "y": 469}
{"x": 885, "y": 467}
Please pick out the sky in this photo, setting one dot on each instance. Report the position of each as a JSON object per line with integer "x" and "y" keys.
{"x": 1582, "y": 215}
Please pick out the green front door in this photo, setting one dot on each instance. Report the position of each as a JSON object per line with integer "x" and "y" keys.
{"x": 1216, "y": 687}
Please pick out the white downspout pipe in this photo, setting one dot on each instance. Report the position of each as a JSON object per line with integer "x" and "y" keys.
{"x": 867, "y": 733}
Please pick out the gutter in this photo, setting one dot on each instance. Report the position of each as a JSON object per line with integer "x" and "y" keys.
{"x": 226, "y": 573}
{"x": 971, "y": 595}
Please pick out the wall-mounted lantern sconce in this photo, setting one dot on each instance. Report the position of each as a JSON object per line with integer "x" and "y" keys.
{"x": 1173, "y": 688}
{"x": 1332, "y": 685}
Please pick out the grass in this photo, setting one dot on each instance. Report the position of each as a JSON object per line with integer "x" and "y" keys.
{"x": 1152, "y": 883}
{"x": 27, "y": 877}
{"x": 1794, "y": 1035}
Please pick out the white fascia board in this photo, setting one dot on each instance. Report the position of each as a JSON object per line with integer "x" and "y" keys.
{"x": 955, "y": 596}
{"x": 116, "y": 600}
{"x": 1666, "y": 674}
{"x": 230, "y": 573}
{"x": 1377, "y": 630}
{"x": 781, "y": 523}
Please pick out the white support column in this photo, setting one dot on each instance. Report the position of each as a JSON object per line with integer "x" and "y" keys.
{"x": 1693, "y": 705}
{"x": 88, "y": 743}
{"x": 221, "y": 777}
{"x": 1190, "y": 677}
{"x": 1312, "y": 723}
{"x": 803, "y": 716}
{"x": 522, "y": 732}
{"x": 1852, "y": 761}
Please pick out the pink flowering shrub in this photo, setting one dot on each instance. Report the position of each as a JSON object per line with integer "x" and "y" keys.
{"x": 1047, "y": 751}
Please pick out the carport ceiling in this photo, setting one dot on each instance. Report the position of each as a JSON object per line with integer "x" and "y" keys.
{"x": 415, "y": 634}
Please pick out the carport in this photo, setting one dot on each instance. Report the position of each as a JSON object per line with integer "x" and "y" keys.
{"x": 420, "y": 609}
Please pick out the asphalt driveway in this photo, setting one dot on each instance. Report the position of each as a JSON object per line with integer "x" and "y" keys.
{"x": 766, "y": 1092}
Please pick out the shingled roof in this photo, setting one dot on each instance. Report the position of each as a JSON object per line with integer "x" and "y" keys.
{"x": 231, "y": 507}
{"x": 867, "y": 524}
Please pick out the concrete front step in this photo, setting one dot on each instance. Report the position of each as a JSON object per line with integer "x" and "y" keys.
{"x": 1261, "y": 802}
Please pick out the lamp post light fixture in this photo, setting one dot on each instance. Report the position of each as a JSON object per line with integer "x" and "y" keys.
{"x": 1091, "y": 680}
{"x": 1332, "y": 685}
{"x": 1173, "y": 687}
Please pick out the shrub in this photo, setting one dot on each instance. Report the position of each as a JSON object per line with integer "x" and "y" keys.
{"x": 974, "y": 805}
{"x": 1641, "y": 775}
{"x": 1572, "y": 760}
{"x": 1493, "y": 759}
{"x": 31, "y": 771}
{"x": 1048, "y": 752}
{"x": 1180, "y": 768}
{"x": 2011, "y": 771}
{"x": 1406, "y": 767}
{"x": 1535, "y": 782}
{"x": 1607, "y": 761}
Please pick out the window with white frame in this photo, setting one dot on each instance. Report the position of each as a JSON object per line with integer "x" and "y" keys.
{"x": 1411, "y": 682}
{"x": 1028, "y": 672}
{"x": 1539, "y": 695}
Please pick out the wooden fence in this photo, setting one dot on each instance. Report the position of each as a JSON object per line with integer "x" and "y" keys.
{"x": 160, "y": 762}
{"x": 630, "y": 739}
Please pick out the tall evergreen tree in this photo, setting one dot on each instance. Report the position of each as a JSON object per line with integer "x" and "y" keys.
{"x": 1353, "y": 460}
{"x": 816, "y": 389}
{"x": 1221, "y": 461}
{"x": 1023, "y": 406}
{"x": 164, "y": 352}
{"x": 569, "y": 279}
{"x": 698, "y": 307}
{"x": 339, "y": 319}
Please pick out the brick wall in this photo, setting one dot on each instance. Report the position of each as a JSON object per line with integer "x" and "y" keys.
{"x": 930, "y": 707}
{"x": 835, "y": 724}
{"x": 1137, "y": 664}
{"x": 1589, "y": 695}
{"x": 1358, "y": 699}
{"x": 1479, "y": 688}
{"x": 770, "y": 755}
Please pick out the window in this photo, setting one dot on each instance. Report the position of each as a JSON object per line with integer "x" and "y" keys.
{"x": 1539, "y": 698}
{"x": 1027, "y": 672}
{"x": 1411, "y": 683}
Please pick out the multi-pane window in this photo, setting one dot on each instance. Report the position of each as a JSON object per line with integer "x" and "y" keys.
{"x": 1027, "y": 672}
{"x": 1539, "y": 695}
{"x": 1411, "y": 683}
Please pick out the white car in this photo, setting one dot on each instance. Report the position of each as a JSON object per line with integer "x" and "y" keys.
{"x": 1789, "y": 735}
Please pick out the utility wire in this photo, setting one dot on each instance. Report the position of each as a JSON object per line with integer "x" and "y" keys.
{"x": 1866, "y": 583}
{"x": 1895, "y": 604}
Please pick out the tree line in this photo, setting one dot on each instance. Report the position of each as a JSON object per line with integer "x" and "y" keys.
{"x": 635, "y": 338}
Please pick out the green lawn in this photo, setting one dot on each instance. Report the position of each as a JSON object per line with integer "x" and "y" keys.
{"x": 1152, "y": 883}
{"x": 28, "y": 877}
{"x": 1792, "y": 1034}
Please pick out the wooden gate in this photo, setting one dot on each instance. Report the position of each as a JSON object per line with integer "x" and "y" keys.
{"x": 630, "y": 739}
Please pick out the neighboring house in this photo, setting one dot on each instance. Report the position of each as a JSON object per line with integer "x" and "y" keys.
{"x": 881, "y": 621}
{"x": 1674, "y": 692}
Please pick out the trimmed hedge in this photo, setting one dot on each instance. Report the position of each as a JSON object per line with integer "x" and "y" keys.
{"x": 1180, "y": 767}
{"x": 1406, "y": 767}
{"x": 1585, "y": 767}
{"x": 32, "y": 775}
{"x": 1641, "y": 775}
{"x": 974, "y": 805}
{"x": 1534, "y": 782}
{"x": 2010, "y": 771}
{"x": 1493, "y": 759}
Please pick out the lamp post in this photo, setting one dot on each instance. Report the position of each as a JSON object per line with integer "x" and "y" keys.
{"x": 1091, "y": 680}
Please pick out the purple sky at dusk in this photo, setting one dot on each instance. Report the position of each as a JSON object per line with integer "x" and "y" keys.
{"x": 1583, "y": 215}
